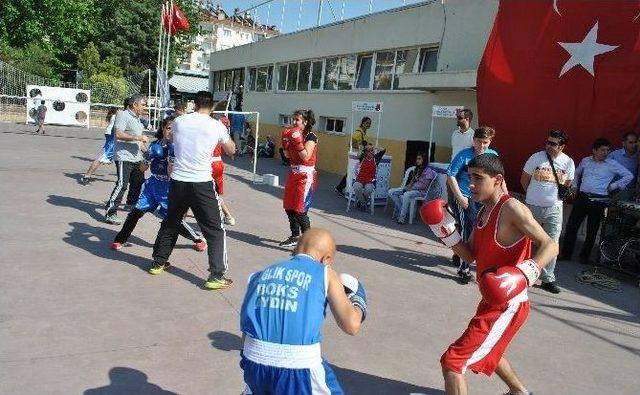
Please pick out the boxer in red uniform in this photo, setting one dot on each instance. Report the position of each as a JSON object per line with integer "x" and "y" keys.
{"x": 217, "y": 166}
{"x": 300, "y": 147}
{"x": 500, "y": 245}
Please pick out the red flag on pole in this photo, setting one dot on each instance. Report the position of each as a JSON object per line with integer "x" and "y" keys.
{"x": 567, "y": 64}
{"x": 174, "y": 19}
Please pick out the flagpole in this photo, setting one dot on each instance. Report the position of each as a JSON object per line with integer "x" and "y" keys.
{"x": 155, "y": 106}
{"x": 170, "y": 30}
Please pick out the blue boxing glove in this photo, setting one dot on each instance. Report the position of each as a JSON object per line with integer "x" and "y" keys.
{"x": 155, "y": 151}
{"x": 170, "y": 149}
{"x": 355, "y": 292}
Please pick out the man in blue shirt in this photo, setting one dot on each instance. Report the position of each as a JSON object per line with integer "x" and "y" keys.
{"x": 458, "y": 180}
{"x": 596, "y": 177}
{"x": 627, "y": 156}
{"x": 282, "y": 316}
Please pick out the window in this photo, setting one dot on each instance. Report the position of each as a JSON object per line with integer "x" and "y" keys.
{"x": 270, "y": 77}
{"x": 285, "y": 120}
{"x": 405, "y": 60}
{"x": 292, "y": 76}
{"x": 428, "y": 59}
{"x": 316, "y": 75}
{"x": 260, "y": 78}
{"x": 303, "y": 76}
{"x": 282, "y": 77}
{"x": 252, "y": 79}
{"x": 384, "y": 70}
{"x": 363, "y": 71}
{"x": 347, "y": 72}
{"x": 333, "y": 125}
{"x": 331, "y": 73}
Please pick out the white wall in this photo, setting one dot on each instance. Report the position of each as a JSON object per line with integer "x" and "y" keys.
{"x": 467, "y": 28}
{"x": 406, "y": 116}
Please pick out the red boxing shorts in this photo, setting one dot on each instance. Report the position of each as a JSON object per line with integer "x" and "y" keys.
{"x": 217, "y": 170}
{"x": 486, "y": 338}
{"x": 298, "y": 192}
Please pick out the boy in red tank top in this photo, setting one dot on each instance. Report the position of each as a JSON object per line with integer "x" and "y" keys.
{"x": 500, "y": 245}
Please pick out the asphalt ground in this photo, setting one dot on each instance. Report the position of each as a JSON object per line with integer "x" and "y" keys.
{"x": 76, "y": 317}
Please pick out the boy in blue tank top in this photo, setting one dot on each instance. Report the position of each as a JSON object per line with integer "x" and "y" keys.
{"x": 282, "y": 317}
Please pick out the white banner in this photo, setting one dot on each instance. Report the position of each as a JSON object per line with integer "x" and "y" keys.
{"x": 365, "y": 106}
{"x": 445, "y": 111}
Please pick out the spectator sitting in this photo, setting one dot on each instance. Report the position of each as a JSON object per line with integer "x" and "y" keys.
{"x": 266, "y": 149}
{"x": 415, "y": 188}
{"x": 365, "y": 180}
{"x": 248, "y": 143}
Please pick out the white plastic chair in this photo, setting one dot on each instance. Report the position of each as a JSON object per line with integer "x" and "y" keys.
{"x": 413, "y": 204}
{"x": 351, "y": 196}
{"x": 405, "y": 179}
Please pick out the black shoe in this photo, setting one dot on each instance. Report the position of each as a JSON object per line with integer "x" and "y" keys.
{"x": 464, "y": 277}
{"x": 455, "y": 260}
{"x": 292, "y": 241}
{"x": 550, "y": 287}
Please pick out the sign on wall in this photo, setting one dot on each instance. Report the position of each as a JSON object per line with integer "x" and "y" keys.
{"x": 445, "y": 111}
{"x": 365, "y": 106}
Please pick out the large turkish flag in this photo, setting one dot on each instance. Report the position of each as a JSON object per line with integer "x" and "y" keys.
{"x": 568, "y": 64}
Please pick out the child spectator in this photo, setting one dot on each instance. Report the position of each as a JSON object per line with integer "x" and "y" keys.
{"x": 365, "y": 180}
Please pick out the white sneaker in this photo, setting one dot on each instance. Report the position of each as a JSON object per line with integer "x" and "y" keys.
{"x": 229, "y": 221}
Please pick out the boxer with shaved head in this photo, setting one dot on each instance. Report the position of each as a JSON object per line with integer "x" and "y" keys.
{"x": 282, "y": 317}
{"x": 500, "y": 245}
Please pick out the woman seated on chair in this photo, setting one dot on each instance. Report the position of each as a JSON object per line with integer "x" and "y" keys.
{"x": 365, "y": 179}
{"x": 417, "y": 187}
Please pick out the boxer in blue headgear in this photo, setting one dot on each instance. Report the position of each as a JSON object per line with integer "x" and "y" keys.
{"x": 155, "y": 190}
{"x": 282, "y": 316}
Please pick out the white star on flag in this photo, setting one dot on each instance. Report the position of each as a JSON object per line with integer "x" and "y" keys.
{"x": 584, "y": 53}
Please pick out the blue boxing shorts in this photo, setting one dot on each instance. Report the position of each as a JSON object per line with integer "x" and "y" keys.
{"x": 271, "y": 368}
{"x": 106, "y": 154}
{"x": 155, "y": 192}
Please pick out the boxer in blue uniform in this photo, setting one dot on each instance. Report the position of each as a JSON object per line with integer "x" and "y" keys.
{"x": 155, "y": 190}
{"x": 282, "y": 317}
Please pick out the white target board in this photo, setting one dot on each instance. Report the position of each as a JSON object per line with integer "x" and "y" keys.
{"x": 65, "y": 106}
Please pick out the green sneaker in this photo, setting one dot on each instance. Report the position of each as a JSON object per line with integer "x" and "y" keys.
{"x": 158, "y": 267}
{"x": 215, "y": 282}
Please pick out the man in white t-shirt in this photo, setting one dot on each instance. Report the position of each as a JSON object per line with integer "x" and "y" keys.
{"x": 542, "y": 193}
{"x": 195, "y": 137}
{"x": 462, "y": 137}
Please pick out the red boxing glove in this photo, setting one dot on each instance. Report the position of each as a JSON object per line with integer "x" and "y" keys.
{"x": 501, "y": 286}
{"x": 435, "y": 213}
{"x": 297, "y": 140}
{"x": 286, "y": 139}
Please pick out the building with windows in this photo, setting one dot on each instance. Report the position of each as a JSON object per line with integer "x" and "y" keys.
{"x": 409, "y": 58}
{"x": 218, "y": 31}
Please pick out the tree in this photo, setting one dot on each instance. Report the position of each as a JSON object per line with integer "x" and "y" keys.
{"x": 89, "y": 61}
{"x": 123, "y": 33}
{"x": 107, "y": 88}
{"x": 33, "y": 59}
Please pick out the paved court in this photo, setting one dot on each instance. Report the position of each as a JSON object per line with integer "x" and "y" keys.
{"x": 76, "y": 317}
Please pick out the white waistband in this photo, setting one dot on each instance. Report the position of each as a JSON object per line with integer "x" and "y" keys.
{"x": 161, "y": 177}
{"x": 217, "y": 158}
{"x": 519, "y": 298}
{"x": 302, "y": 168}
{"x": 287, "y": 356}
